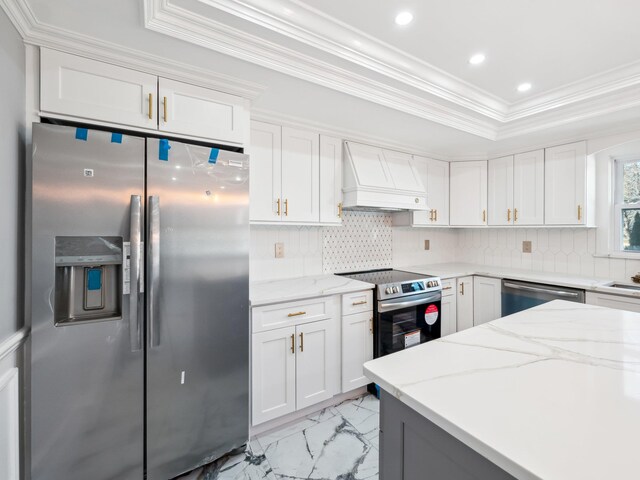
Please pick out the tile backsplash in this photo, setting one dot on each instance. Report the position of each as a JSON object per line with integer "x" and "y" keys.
{"x": 367, "y": 240}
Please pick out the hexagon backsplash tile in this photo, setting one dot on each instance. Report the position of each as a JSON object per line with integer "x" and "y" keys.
{"x": 363, "y": 242}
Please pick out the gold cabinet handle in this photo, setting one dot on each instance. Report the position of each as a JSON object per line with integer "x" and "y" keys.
{"x": 371, "y": 325}
{"x": 293, "y": 343}
{"x": 435, "y": 214}
{"x": 515, "y": 214}
{"x": 447, "y": 288}
{"x": 508, "y": 214}
{"x": 302, "y": 342}
{"x": 461, "y": 288}
{"x": 164, "y": 104}
{"x": 296, "y": 314}
{"x": 359, "y": 303}
{"x": 484, "y": 216}
{"x": 286, "y": 207}
{"x": 278, "y": 203}
{"x": 340, "y": 210}
{"x": 151, "y": 106}
{"x": 579, "y": 212}
{"x": 431, "y": 215}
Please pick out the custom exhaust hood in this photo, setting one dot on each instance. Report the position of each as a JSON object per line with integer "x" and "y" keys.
{"x": 377, "y": 179}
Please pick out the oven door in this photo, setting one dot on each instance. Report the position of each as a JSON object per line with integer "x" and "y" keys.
{"x": 405, "y": 322}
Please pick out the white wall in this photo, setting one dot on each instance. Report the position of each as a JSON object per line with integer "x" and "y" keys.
{"x": 12, "y": 133}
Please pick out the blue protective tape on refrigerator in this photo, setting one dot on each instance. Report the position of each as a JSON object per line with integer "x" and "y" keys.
{"x": 163, "y": 152}
{"x": 213, "y": 156}
{"x": 81, "y": 134}
{"x": 116, "y": 138}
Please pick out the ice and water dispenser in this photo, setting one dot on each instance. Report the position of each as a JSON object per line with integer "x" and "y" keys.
{"x": 89, "y": 279}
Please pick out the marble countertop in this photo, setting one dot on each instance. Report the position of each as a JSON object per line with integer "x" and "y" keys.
{"x": 452, "y": 270}
{"x": 290, "y": 289}
{"x": 549, "y": 393}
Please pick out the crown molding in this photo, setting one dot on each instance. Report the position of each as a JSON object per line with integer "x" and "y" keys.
{"x": 164, "y": 17}
{"x": 42, "y": 35}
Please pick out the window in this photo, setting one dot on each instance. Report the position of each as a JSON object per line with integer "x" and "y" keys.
{"x": 627, "y": 204}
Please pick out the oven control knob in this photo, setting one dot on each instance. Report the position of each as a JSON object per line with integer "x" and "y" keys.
{"x": 429, "y": 284}
{"x": 396, "y": 289}
{"x": 388, "y": 290}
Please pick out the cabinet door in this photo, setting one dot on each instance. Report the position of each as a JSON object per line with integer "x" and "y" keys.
{"x": 565, "y": 182}
{"x": 500, "y": 191}
{"x": 464, "y": 304}
{"x": 357, "y": 348}
{"x": 449, "y": 315}
{"x": 330, "y": 180}
{"x": 265, "y": 203}
{"x": 528, "y": 188}
{"x": 201, "y": 112}
{"x": 435, "y": 177}
{"x": 91, "y": 90}
{"x": 317, "y": 366}
{"x": 468, "y": 194}
{"x": 273, "y": 377}
{"x": 487, "y": 299}
{"x": 300, "y": 175}
{"x": 613, "y": 301}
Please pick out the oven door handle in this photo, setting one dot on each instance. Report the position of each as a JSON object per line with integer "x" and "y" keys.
{"x": 387, "y": 307}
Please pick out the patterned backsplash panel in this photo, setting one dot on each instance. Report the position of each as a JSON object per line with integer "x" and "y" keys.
{"x": 364, "y": 242}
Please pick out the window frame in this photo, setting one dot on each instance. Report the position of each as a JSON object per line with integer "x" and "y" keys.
{"x": 619, "y": 205}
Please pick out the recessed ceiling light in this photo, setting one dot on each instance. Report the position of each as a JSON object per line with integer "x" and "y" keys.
{"x": 477, "y": 59}
{"x": 524, "y": 87}
{"x": 404, "y": 18}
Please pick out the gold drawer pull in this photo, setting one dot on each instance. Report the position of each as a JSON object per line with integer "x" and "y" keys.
{"x": 302, "y": 342}
{"x": 435, "y": 214}
{"x": 340, "y": 210}
{"x": 164, "y": 103}
{"x": 293, "y": 343}
{"x": 484, "y": 216}
{"x": 359, "y": 303}
{"x": 508, "y": 214}
{"x": 286, "y": 207}
{"x": 431, "y": 214}
{"x": 447, "y": 288}
{"x": 515, "y": 214}
{"x": 579, "y": 213}
{"x": 297, "y": 314}
{"x": 151, "y": 106}
{"x": 278, "y": 203}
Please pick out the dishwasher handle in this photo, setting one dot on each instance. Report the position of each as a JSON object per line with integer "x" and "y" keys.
{"x": 528, "y": 288}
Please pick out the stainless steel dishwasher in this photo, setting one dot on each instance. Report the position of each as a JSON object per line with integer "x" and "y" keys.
{"x": 518, "y": 296}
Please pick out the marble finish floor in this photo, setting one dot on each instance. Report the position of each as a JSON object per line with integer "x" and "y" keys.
{"x": 337, "y": 443}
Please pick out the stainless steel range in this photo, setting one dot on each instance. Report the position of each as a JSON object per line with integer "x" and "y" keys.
{"x": 406, "y": 308}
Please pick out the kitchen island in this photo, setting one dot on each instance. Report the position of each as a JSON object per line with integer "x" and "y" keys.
{"x": 548, "y": 393}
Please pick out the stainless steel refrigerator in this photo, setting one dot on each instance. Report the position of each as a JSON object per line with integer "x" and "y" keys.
{"x": 139, "y": 305}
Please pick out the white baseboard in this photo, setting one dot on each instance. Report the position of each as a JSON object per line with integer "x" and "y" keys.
{"x": 9, "y": 425}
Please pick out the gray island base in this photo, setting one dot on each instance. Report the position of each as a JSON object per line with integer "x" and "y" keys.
{"x": 414, "y": 448}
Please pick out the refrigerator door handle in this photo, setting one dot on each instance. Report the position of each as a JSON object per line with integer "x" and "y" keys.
{"x": 153, "y": 255}
{"x": 135, "y": 238}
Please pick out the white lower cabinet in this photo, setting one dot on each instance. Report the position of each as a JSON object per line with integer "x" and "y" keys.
{"x": 613, "y": 301}
{"x": 357, "y": 348}
{"x": 273, "y": 381}
{"x": 487, "y": 299}
{"x": 317, "y": 365}
{"x": 448, "y": 315}
{"x": 296, "y": 364}
{"x": 464, "y": 304}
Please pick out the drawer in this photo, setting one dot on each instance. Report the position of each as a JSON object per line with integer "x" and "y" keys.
{"x": 448, "y": 287}
{"x": 357, "y": 302}
{"x": 281, "y": 315}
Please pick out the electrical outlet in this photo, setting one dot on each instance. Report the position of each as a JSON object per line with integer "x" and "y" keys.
{"x": 427, "y": 245}
{"x": 279, "y": 250}
{"x": 526, "y": 246}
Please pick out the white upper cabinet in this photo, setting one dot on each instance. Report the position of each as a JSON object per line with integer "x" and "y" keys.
{"x": 90, "y": 90}
{"x": 468, "y": 194}
{"x": 500, "y": 191}
{"x": 330, "y": 180}
{"x": 435, "y": 178}
{"x": 300, "y": 176}
{"x": 569, "y": 185}
{"x": 266, "y": 164}
{"x": 191, "y": 110}
{"x": 516, "y": 189}
{"x": 528, "y": 188}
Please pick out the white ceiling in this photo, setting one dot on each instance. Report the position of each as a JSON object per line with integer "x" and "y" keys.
{"x": 304, "y": 79}
{"x": 549, "y": 43}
